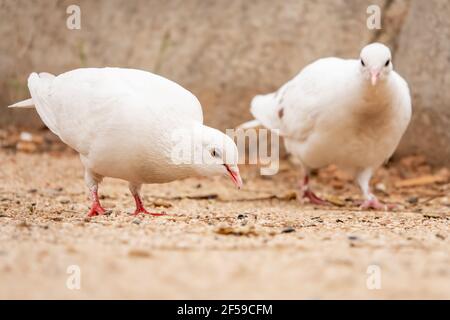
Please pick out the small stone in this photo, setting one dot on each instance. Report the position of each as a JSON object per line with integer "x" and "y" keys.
{"x": 318, "y": 219}
{"x": 136, "y": 253}
{"x": 445, "y": 201}
{"x": 241, "y": 216}
{"x": 339, "y": 221}
{"x": 63, "y": 200}
{"x": 380, "y": 187}
{"x": 288, "y": 230}
{"x": 353, "y": 238}
{"x": 162, "y": 203}
{"x": 440, "y": 236}
{"x": 23, "y": 224}
{"x": 137, "y": 221}
{"x": 32, "y": 207}
{"x": 26, "y": 146}
{"x": 71, "y": 249}
{"x": 413, "y": 200}
{"x": 432, "y": 215}
{"x": 26, "y": 136}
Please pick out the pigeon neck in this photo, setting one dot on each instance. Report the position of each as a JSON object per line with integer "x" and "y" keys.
{"x": 381, "y": 89}
{"x": 186, "y": 151}
{"x": 376, "y": 98}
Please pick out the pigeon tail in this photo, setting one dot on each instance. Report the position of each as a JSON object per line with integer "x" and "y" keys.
{"x": 266, "y": 110}
{"x": 28, "y": 103}
{"x": 39, "y": 86}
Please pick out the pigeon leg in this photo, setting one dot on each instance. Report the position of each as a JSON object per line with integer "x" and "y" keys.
{"x": 309, "y": 194}
{"x": 96, "y": 208}
{"x": 92, "y": 180}
{"x": 135, "y": 188}
{"x": 371, "y": 201}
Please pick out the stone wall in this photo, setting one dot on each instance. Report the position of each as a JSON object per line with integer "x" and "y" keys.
{"x": 225, "y": 52}
{"x": 423, "y": 58}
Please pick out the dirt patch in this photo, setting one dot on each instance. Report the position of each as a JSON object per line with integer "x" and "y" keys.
{"x": 217, "y": 242}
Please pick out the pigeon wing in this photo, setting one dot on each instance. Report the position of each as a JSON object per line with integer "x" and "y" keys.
{"x": 295, "y": 108}
{"x": 78, "y": 104}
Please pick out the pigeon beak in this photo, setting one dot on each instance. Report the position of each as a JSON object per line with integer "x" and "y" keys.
{"x": 374, "y": 76}
{"x": 233, "y": 172}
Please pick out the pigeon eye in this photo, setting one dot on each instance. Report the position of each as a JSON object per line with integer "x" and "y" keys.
{"x": 362, "y": 62}
{"x": 387, "y": 63}
{"x": 215, "y": 153}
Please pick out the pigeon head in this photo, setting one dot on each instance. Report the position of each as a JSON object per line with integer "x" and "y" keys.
{"x": 219, "y": 155}
{"x": 376, "y": 62}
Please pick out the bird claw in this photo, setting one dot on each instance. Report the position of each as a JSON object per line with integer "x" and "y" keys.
{"x": 144, "y": 211}
{"x": 314, "y": 199}
{"x": 96, "y": 210}
{"x": 377, "y": 205}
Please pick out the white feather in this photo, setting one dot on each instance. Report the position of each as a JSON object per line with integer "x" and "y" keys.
{"x": 331, "y": 114}
{"x": 28, "y": 103}
{"x": 119, "y": 120}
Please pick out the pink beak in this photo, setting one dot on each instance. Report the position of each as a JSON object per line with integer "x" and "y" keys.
{"x": 374, "y": 76}
{"x": 235, "y": 176}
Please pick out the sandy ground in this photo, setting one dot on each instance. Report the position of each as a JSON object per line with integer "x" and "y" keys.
{"x": 215, "y": 242}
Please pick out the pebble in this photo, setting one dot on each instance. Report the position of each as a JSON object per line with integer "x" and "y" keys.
{"x": 23, "y": 224}
{"x": 440, "y": 236}
{"x": 63, "y": 200}
{"x": 162, "y": 203}
{"x": 380, "y": 187}
{"x": 26, "y": 146}
{"x": 26, "y": 136}
{"x": 288, "y": 230}
{"x": 136, "y": 253}
{"x": 413, "y": 200}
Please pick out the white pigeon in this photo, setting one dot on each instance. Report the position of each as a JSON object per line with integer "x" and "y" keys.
{"x": 351, "y": 113}
{"x": 132, "y": 125}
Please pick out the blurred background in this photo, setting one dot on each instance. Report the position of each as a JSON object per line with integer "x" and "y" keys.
{"x": 226, "y": 52}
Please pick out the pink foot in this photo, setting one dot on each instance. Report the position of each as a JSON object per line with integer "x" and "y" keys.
{"x": 308, "y": 194}
{"x": 140, "y": 208}
{"x": 96, "y": 208}
{"x": 314, "y": 199}
{"x": 377, "y": 205}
